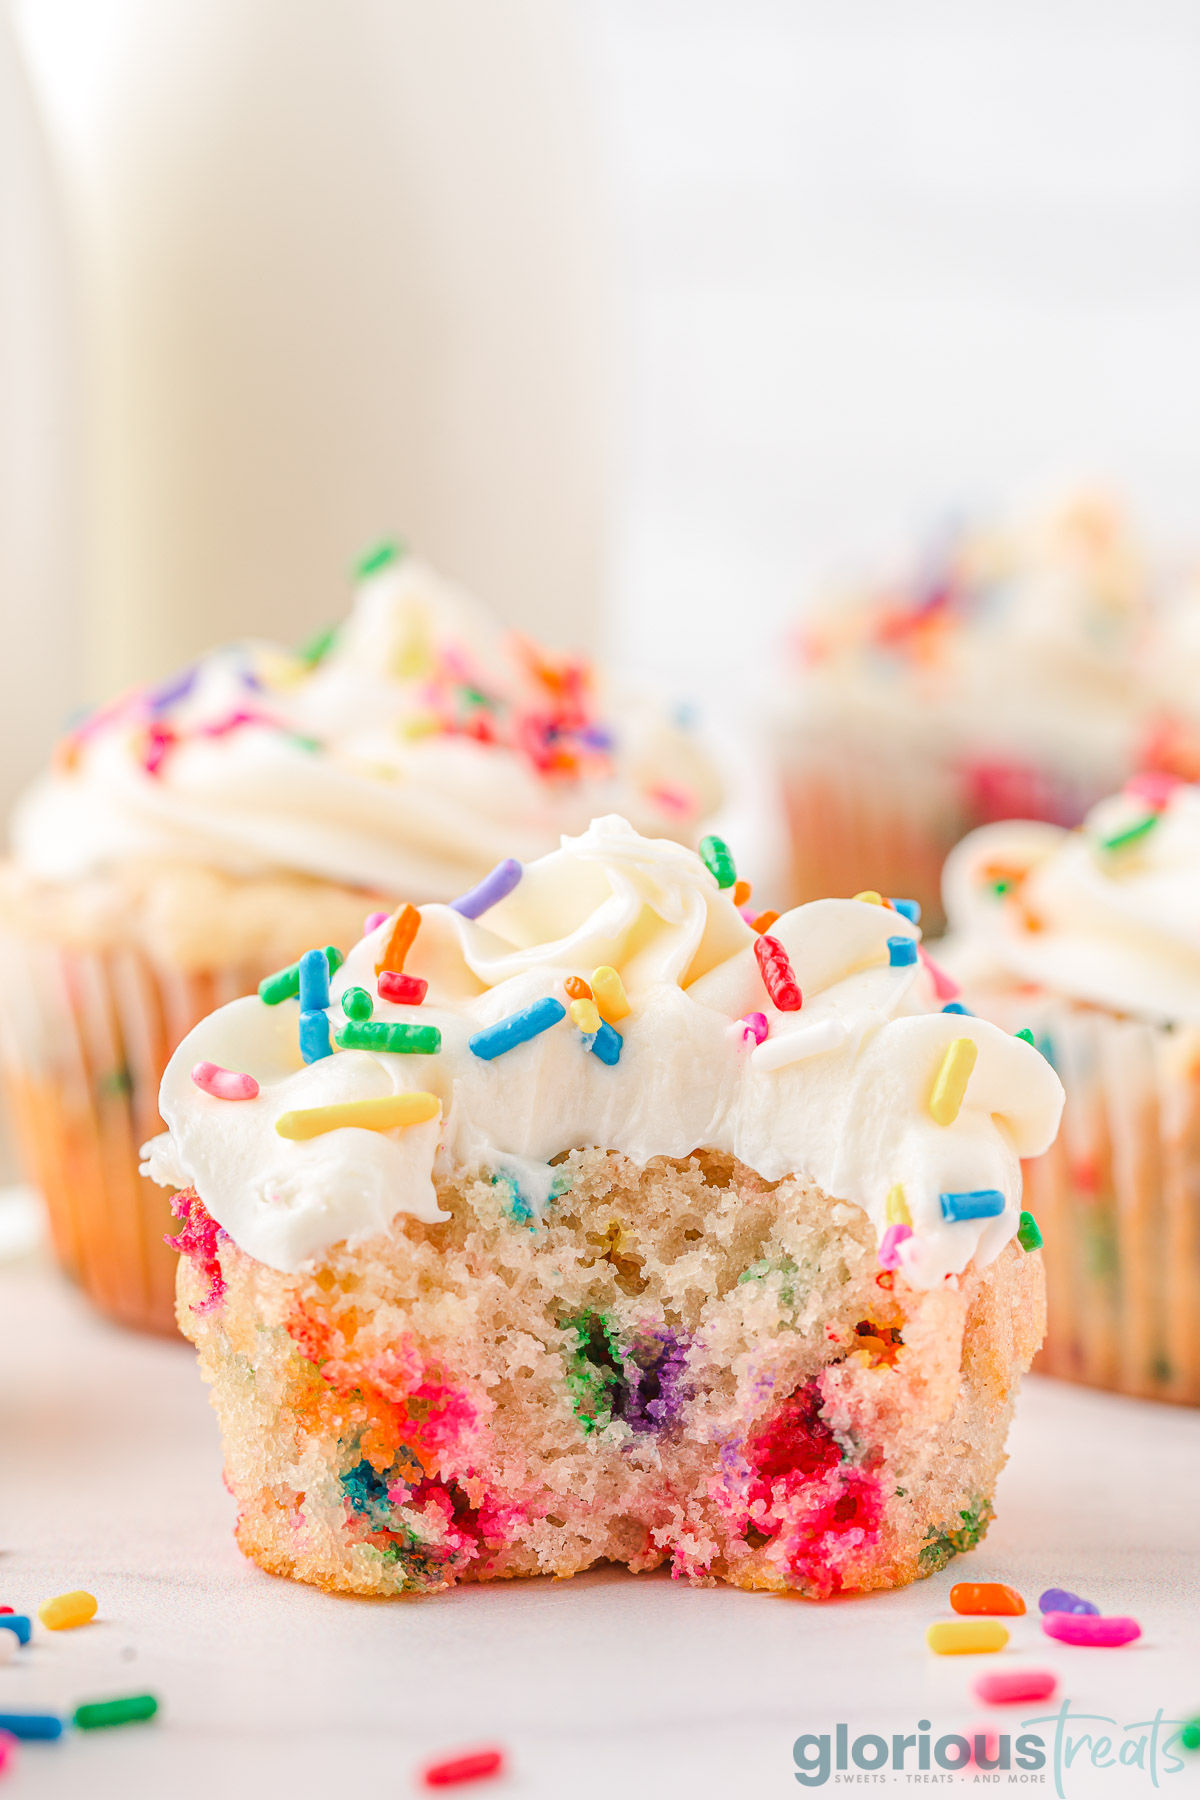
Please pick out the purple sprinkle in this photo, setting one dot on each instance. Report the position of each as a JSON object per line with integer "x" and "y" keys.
{"x": 373, "y": 921}
{"x": 754, "y": 1025}
{"x": 178, "y": 688}
{"x": 597, "y": 737}
{"x": 491, "y": 890}
{"x": 1062, "y": 1600}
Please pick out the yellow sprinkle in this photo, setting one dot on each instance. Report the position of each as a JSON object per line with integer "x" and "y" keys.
{"x": 950, "y": 1082}
{"x": 897, "y": 1207}
{"x": 381, "y": 1114}
{"x": 418, "y": 725}
{"x": 609, "y": 992}
{"x": 966, "y": 1637}
{"x": 67, "y": 1610}
{"x": 871, "y": 897}
{"x": 586, "y": 1015}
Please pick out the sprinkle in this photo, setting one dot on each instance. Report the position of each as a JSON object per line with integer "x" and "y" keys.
{"x": 777, "y": 975}
{"x": 381, "y": 1114}
{"x": 902, "y": 952}
{"x": 870, "y": 897}
{"x": 96, "y": 1713}
{"x": 1029, "y": 1234}
{"x": 314, "y": 981}
{"x": 585, "y": 1014}
{"x": 172, "y": 691}
{"x": 1014, "y": 1687}
{"x": 787, "y": 1047}
{"x": 357, "y": 1004}
{"x": 66, "y": 1611}
{"x": 577, "y": 988}
{"x": 1189, "y": 1737}
{"x": 31, "y": 1725}
{"x": 389, "y": 550}
{"x": 1120, "y": 840}
{"x": 607, "y": 1044}
{"x": 1153, "y": 786}
{"x": 404, "y": 990}
{"x": 897, "y": 1206}
{"x": 966, "y": 1637}
{"x": 315, "y": 649}
{"x": 490, "y": 891}
{"x": 17, "y": 1625}
{"x": 372, "y": 922}
{"x": 973, "y": 1203}
{"x": 518, "y": 1028}
{"x": 950, "y": 1082}
{"x": 476, "y": 1765}
{"x": 8, "y": 1750}
{"x": 284, "y": 984}
{"x": 908, "y": 909}
{"x": 741, "y": 893}
{"x": 985, "y": 1597}
{"x": 764, "y": 921}
{"x": 1062, "y": 1600}
{"x": 398, "y": 1040}
{"x": 1025, "y": 1033}
{"x": 889, "y": 1245}
{"x": 944, "y": 986}
{"x": 608, "y": 991}
{"x": 718, "y": 862}
{"x": 314, "y": 1036}
{"x": 224, "y": 1084}
{"x": 754, "y": 1025}
{"x": 400, "y": 942}
{"x": 957, "y": 1007}
{"x": 1090, "y": 1631}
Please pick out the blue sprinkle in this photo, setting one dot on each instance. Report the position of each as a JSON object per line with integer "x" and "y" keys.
{"x": 605, "y": 1043}
{"x": 314, "y": 981}
{"x": 31, "y": 1725}
{"x": 902, "y": 951}
{"x": 18, "y": 1623}
{"x": 956, "y": 1006}
{"x": 1063, "y": 1600}
{"x": 314, "y": 1036}
{"x": 909, "y": 909}
{"x": 976, "y": 1203}
{"x": 1046, "y": 1045}
{"x": 518, "y": 1028}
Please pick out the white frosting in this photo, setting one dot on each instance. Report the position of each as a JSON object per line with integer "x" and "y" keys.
{"x": 1116, "y": 927}
{"x": 849, "y": 1108}
{"x": 380, "y": 793}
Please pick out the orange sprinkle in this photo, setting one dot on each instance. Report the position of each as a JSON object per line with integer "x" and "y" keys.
{"x": 577, "y": 988}
{"x": 401, "y": 940}
{"x": 764, "y": 921}
{"x": 985, "y": 1597}
{"x": 741, "y": 893}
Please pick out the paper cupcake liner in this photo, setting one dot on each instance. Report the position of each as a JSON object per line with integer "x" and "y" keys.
{"x": 1118, "y": 1201}
{"x": 87, "y": 1036}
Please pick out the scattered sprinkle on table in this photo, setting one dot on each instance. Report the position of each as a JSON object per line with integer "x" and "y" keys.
{"x": 475, "y": 1765}
{"x": 966, "y": 1637}
{"x": 1013, "y": 1687}
{"x": 985, "y": 1597}
{"x": 31, "y": 1724}
{"x": 16, "y": 1625}
{"x": 1064, "y": 1601}
{"x": 1090, "y": 1630}
{"x": 8, "y": 1750}
{"x": 384, "y": 1113}
{"x": 66, "y": 1611}
{"x": 95, "y": 1714}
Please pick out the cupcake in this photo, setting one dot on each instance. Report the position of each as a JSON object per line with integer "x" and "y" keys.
{"x": 191, "y": 838}
{"x": 992, "y": 683}
{"x": 578, "y": 1221}
{"x": 1090, "y": 941}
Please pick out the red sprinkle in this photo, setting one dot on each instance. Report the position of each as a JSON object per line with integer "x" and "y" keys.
{"x": 476, "y": 1765}
{"x": 405, "y": 990}
{"x": 1012, "y": 1687}
{"x": 778, "y": 978}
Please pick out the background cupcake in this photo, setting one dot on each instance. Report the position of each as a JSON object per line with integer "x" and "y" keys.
{"x": 1091, "y": 940}
{"x": 991, "y": 682}
{"x": 192, "y": 838}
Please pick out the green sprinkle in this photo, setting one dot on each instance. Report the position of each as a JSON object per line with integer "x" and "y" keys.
{"x": 114, "y": 1712}
{"x": 1025, "y": 1034}
{"x": 303, "y": 743}
{"x": 401, "y": 1040}
{"x": 389, "y": 551}
{"x": 357, "y": 1004}
{"x": 1028, "y": 1234}
{"x": 316, "y": 648}
{"x": 284, "y": 984}
{"x": 1189, "y": 1737}
{"x": 1131, "y": 833}
{"x": 718, "y": 861}
{"x": 1002, "y": 886}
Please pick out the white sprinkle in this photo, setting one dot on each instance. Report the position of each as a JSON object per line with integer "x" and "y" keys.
{"x": 792, "y": 1046}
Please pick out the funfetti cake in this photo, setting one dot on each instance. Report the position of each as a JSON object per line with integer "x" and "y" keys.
{"x": 579, "y": 1219}
{"x": 191, "y": 837}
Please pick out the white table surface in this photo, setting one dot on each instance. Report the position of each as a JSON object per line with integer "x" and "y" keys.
{"x": 605, "y": 1685}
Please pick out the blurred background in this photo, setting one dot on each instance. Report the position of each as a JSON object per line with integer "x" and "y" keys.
{"x": 637, "y": 315}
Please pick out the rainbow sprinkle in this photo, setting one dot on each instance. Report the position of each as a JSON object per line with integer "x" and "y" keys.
{"x": 224, "y": 1084}
{"x": 902, "y": 952}
{"x": 518, "y": 1028}
{"x": 607, "y": 1044}
{"x": 400, "y": 940}
{"x": 397, "y": 1040}
{"x": 284, "y": 984}
{"x": 608, "y": 991}
{"x": 382, "y": 1114}
{"x": 1029, "y": 1234}
{"x": 1132, "y": 834}
{"x": 401, "y": 989}
{"x": 357, "y": 1004}
{"x": 490, "y": 891}
{"x": 378, "y": 557}
{"x": 950, "y": 1082}
{"x": 975, "y": 1203}
{"x": 715, "y": 854}
{"x": 778, "y": 978}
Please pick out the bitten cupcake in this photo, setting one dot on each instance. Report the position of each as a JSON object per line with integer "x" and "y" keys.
{"x": 1090, "y": 940}
{"x": 579, "y": 1220}
{"x": 192, "y": 837}
{"x": 992, "y": 683}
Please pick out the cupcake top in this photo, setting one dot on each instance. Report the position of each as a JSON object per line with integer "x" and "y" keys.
{"x": 1011, "y": 640}
{"x": 404, "y": 751}
{"x": 615, "y": 993}
{"x": 1106, "y": 915}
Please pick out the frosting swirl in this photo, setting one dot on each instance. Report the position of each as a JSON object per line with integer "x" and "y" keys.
{"x": 837, "y": 1091}
{"x": 405, "y": 752}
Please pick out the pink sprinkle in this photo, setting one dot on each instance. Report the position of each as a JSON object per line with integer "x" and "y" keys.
{"x": 1088, "y": 1629}
{"x": 1154, "y": 786}
{"x": 234, "y": 720}
{"x": 672, "y": 799}
{"x": 754, "y": 1025}
{"x": 475, "y": 1765}
{"x": 889, "y": 1245}
{"x": 1012, "y": 1687}
{"x": 224, "y": 1084}
{"x": 749, "y": 913}
{"x": 373, "y": 921}
{"x": 8, "y": 1750}
{"x": 944, "y": 986}
{"x": 159, "y": 739}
